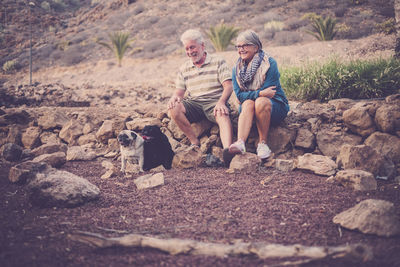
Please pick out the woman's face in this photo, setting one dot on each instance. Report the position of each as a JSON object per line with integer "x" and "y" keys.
{"x": 246, "y": 50}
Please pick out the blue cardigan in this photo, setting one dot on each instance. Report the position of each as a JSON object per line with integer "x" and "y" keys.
{"x": 272, "y": 79}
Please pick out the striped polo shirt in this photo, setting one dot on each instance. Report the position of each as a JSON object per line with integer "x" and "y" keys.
{"x": 203, "y": 83}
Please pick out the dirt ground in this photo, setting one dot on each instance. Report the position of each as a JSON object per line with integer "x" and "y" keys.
{"x": 204, "y": 204}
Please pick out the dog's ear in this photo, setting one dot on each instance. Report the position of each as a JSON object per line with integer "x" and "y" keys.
{"x": 133, "y": 134}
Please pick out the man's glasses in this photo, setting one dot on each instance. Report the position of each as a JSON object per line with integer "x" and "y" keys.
{"x": 243, "y": 46}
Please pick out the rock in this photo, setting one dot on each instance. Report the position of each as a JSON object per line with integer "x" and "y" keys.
{"x": 80, "y": 153}
{"x": 359, "y": 121}
{"x": 26, "y": 171}
{"x": 385, "y": 144}
{"x": 318, "y": 164}
{"x": 341, "y": 105}
{"x": 371, "y": 216}
{"x": 87, "y": 139}
{"x": 284, "y": 165}
{"x": 88, "y": 128}
{"x": 113, "y": 144}
{"x": 15, "y": 117}
{"x": 356, "y": 179}
{"x": 138, "y": 124}
{"x": 110, "y": 169}
{"x": 305, "y": 139}
{"x": 49, "y": 137}
{"x": 329, "y": 142}
{"x": 30, "y": 138}
{"x": 149, "y": 181}
{"x": 280, "y": 139}
{"x": 187, "y": 158}
{"x": 363, "y": 157}
{"x": 387, "y": 118}
{"x": 245, "y": 163}
{"x": 52, "y": 119}
{"x": 207, "y": 143}
{"x": 55, "y": 160}
{"x": 105, "y": 132}
{"x": 12, "y": 152}
{"x": 49, "y": 149}
{"x": 14, "y": 135}
{"x": 174, "y": 143}
{"x": 71, "y": 131}
{"x": 60, "y": 188}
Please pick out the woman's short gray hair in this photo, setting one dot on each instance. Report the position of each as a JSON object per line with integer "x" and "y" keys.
{"x": 192, "y": 35}
{"x": 249, "y": 36}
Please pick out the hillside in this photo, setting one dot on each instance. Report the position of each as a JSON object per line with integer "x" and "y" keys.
{"x": 66, "y": 34}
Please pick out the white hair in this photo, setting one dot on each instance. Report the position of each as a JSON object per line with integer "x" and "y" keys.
{"x": 249, "y": 36}
{"x": 192, "y": 35}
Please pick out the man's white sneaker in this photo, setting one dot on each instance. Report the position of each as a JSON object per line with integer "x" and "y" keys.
{"x": 263, "y": 151}
{"x": 237, "y": 148}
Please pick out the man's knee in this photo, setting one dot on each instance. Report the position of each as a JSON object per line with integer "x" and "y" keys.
{"x": 174, "y": 112}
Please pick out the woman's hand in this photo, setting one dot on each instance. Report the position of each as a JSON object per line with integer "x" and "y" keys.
{"x": 268, "y": 92}
{"x": 221, "y": 109}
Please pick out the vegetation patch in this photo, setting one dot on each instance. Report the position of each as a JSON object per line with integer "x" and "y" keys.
{"x": 357, "y": 79}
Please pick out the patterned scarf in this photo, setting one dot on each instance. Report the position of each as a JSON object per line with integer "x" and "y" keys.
{"x": 246, "y": 72}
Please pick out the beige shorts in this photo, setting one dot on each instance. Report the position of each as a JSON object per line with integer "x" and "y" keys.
{"x": 198, "y": 110}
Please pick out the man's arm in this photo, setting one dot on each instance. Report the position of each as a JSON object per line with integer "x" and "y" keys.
{"x": 226, "y": 93}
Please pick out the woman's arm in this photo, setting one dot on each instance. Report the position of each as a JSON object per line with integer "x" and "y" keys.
{"x": 242, "y": 95}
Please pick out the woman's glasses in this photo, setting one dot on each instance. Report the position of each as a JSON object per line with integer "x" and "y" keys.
{"x": 243, "y": 46}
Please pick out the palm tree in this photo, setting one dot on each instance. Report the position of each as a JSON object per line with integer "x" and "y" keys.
{"x": 322, "y": 28}
{"x": 120, "y": 42}
{"x": 221, "y": 36}
{"x": 397, "y": 26}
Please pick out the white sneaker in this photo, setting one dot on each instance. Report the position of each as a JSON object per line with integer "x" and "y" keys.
{"x": 263, "y": 151}
{"x": 237, "y": 148}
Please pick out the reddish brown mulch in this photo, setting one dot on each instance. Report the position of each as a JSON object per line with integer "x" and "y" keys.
{"x": 205, "y": 204}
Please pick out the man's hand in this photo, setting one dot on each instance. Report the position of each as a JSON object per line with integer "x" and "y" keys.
{"x": 173, "y": 101}
{"x": 221, "y": 109}
{"x": 268, "y": 92}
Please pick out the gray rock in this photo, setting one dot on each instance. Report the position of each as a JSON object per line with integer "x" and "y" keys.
{"x": 356, "y": 179}
{"x": 245, "y": 163}
{"x": 60, "y": 188}
{"x": 25, "y": 171}
{"x": 149, "y": 181}
{"x": 12, "y": 152}
{"x": 55, "y": 160}
{"x": 371, "y": 216}
{"x": 318, "y": 164}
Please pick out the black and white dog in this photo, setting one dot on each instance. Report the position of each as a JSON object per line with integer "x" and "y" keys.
{"x": 157, "y": 149}
{"x": 150, "y": 150}
{"x": 132, "y": 148}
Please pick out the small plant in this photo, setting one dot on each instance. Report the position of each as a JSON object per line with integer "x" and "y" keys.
{"x": 221, "y": 36}
{"x": 358, "y": 2}
{"x": 10, "y": 65}
{"x": 45, "y": 5}
{"x": 120, "y": 42}
{"x": 274, "y": 26}
{"x": 324, "y": 29}
{"x": 386, "y": 27}
{"x": 63, "y": 45}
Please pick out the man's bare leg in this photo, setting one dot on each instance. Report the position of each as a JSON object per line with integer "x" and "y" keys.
{"x": 178, "y": 115}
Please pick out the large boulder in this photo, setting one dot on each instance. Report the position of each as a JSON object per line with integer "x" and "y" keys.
{"x": 149, "y": 180}
{"x": 55, "y": 160}
{"x": 305, "y": 139}
{"x": 280, "y": 139}
{"x": 387, "y": 118}
{"x": 386, "y": 145}
{"x": 356, "y": 179}
{"x": 363, "y": 157}
{"x": 71, "y": 131}
{"x": 49, "y": 149}
{"x": 318, "y": 164}
{"x": 31, "y": 137}
{"x": 61, "y": 188}
{"x": 187, "y": 158}
{"x": 80, "y": 153}
{"x": 52, "y": 119}
{"x": 359, "y": 120}
{"x": 25, "y": 171}
{"x": 12, "y": 152}
{"x": 331, "y": 140}
{"x": 106, "y": 131}
{"x": 244, "y": 163}
{"x": 371, "y": 216}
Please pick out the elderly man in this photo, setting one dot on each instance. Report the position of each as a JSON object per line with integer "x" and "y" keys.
{"x": 207, "y": 81}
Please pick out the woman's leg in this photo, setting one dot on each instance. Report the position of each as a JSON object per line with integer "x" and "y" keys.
{"x": 263, "y": 107}
{"x": 245, "y": 119}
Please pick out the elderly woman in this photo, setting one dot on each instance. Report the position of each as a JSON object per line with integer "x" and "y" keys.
{"x": 258, "y": 89}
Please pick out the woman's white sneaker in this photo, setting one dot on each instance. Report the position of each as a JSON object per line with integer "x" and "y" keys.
{"x": 237, "y": 148}
{"x": 263, "y": 151}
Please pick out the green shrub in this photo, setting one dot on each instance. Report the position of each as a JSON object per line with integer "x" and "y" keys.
{"x": 63, "y": 45}
{"x": 119, "y": 43}
{"x": 221, "y": 36}
{"x": 356, "y": 80}
{"x": 387, "y": 27}
{"x": 274, "y": 26}
{"x": 45, "y": 5}
{"x": 10, "y": 65}
{"x": 324, "y": 29}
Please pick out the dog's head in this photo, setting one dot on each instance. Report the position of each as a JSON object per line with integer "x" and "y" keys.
{"x": 127, "y": 138}
{"x": 151, "y": 132}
